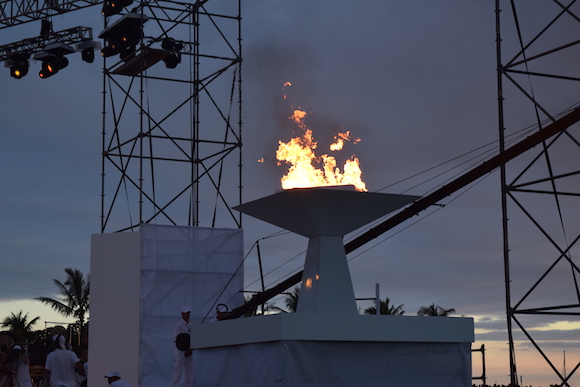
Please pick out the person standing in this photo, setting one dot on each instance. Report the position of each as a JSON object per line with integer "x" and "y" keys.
{"x": 21, "y": 369}
{"x": 114, "y": 379}
{"x": 182, "y": 351}
{"x": 62, "y": 363}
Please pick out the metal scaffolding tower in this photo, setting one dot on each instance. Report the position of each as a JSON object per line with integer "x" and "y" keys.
{"x": 171, "y": 107}
{"x": 537, "y": 51}
{"x": 172, "y": 116}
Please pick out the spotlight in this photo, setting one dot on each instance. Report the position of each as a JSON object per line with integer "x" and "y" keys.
{"x": 87, "y": 49}
{"x": 127, "y": 53}
{"x": 172, "y": 60}
{"x": 114, "y": 7}
{"x": 51, "y": 65}
{"x": 19, "y": 65}
{"x": 123, "y": 36}
{"x": 174, "y": 47}
{"x": 108, "y": 51}
{"x": 53, "y": 58}
{"x": 88, "y": 55}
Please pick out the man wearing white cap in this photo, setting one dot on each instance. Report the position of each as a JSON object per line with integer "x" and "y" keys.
{"x": 182, "y": 351}
{"x": 221, "y": 312}
{"x": 114, "y": 379}
{"x": 22, "y": 372}
{"x": 62, "y": 363}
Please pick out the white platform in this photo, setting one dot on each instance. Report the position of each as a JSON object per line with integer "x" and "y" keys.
{"x": 317, "y": 327}
{"x": 327, "y": 350}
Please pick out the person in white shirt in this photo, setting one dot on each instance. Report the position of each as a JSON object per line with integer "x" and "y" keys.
{"x": 114, "y": 379}
{"x": 182, "y": 356}
{"x": 62, "y": 363}
{"x": 21, "y": 369}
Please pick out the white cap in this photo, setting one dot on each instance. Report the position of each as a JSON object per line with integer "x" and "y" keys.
{"x": 17, "y": 347}
{"x": 113, "y": 374}
{"x": 222, "y": 308}
{"x": 185, "y": 309}
{"x": 60, "y": 340}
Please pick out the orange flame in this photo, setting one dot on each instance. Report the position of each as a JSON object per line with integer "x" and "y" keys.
{"x": 340, "y": 138}
{"x": 299, "y": 153}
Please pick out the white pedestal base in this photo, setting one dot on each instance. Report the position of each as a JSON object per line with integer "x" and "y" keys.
{"x": 324, "y": 350}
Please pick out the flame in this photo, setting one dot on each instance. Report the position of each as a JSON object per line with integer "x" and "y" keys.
{"x": 340, "y": 138}
{"x": 299, "y": 152}
{"x": 261, "y": 160}
{"x": 286, "y": 85}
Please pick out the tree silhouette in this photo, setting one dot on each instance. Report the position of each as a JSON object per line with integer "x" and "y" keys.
{"x": 385, "y": 308}
{"x": 434, "y": 310}
{"x": 20, "y": 326}
{"x": 74, "y": 294}
{"x": 291, "y": 301}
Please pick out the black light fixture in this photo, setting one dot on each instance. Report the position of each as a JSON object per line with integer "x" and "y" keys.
{"x": 51, "y": 65}
{"x": 174, "y": 47}
{"x": 53, "y": 58}
{"x": 88, "y": 55}
{"x": 123, "y": 36}
{"x": 87, "y": 49}
{"x": 19, "y": 65}
{"x": 114, "y": 7}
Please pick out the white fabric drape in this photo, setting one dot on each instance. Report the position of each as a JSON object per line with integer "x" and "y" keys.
{"x": 183, "y": 266}
{"x": 320, "y": 363}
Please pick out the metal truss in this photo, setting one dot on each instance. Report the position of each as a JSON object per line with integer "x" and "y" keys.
{"x": 537, "y": 52}
{"x": 172, "y": 136}
{"x": 17, "y": 12}
{"x": 37, "y": 44}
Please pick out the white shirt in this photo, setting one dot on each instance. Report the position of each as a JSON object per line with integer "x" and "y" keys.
{"x": 61, "y": 364}
{"x": 22, "y": 374}
{"x": 120, "y": 383}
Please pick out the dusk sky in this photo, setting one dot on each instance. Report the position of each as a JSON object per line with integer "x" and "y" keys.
{"x": 415, "y": 80}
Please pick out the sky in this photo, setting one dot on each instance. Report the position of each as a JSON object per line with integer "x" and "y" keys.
{"x": 414, "y": 80}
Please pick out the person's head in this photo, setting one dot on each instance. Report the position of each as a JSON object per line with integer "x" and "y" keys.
{"x": 220, "y": 311}
{"x": 113, "y": 376}
{"x": 185, "y": 313}
{"x": 59, "y": 341}
{"x": 15, "y": 352}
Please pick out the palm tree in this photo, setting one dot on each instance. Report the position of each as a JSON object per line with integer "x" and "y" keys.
{"x": 434, "y": 310}
{"x": 291, "y": 302}
{"x": 20, "y": 326}
{"x": 74, "y": 295}
{"x": 385, "y": 308}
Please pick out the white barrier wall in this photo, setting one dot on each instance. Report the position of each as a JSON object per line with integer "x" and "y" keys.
{"x": 139, "y": 283}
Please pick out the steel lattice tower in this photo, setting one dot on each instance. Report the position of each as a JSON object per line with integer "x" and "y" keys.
{"x": 172, "y": 131}
{"x": 537, "y": 56}
{"x": 172, "y": 104}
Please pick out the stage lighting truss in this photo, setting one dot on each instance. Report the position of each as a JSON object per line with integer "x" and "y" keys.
{"x": 17, "y": 12}
{"x": 50, "y": 49}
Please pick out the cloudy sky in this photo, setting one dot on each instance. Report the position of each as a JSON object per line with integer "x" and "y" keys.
{"x": 414, "y": 80}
